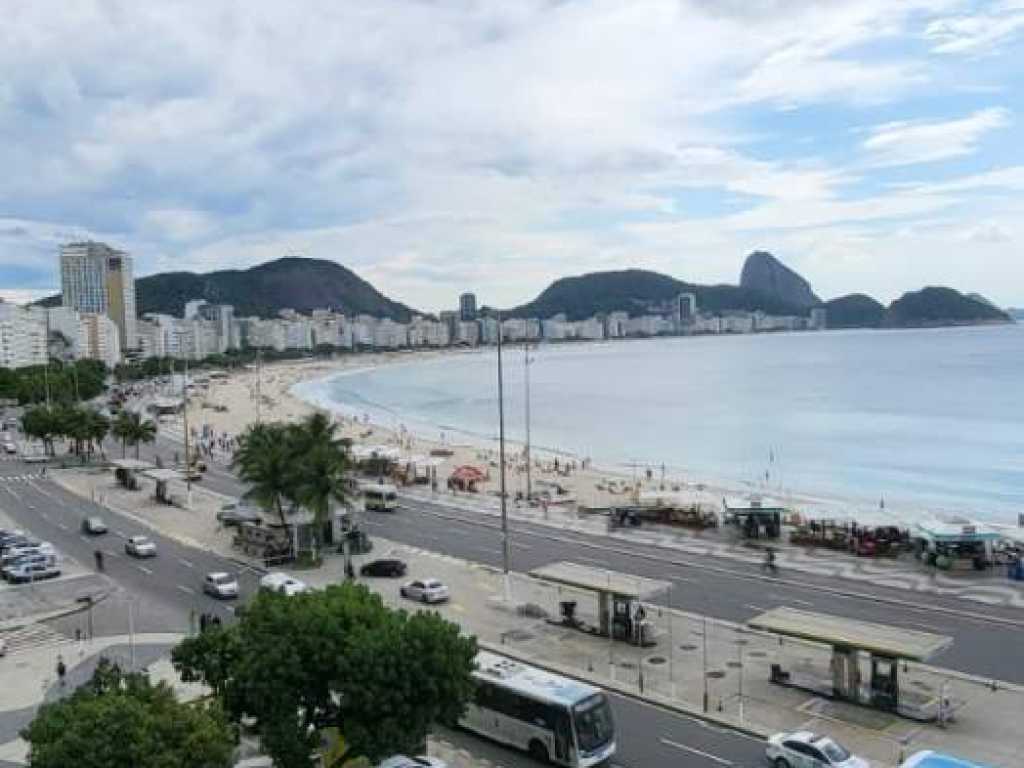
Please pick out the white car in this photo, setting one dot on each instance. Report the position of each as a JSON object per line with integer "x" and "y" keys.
{"x": 283, "y": 584}
{"x": 401, "y": 761}
{"x": 220, "y": 584}
{"x": 10, "y": 447}
{"x": 140, "y": 546}
{"x": 425, "y": 590}
{"x": 803, "y": 749}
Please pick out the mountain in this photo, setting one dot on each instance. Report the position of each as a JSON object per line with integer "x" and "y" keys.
{"x": 1015, "y": 313}
{"x": 638, "y": 291}
{"x": 934, "y": 306}
{"x": 855, "y": 310}
{"x": 763, "y": 272}
{"x": 263, "y": 290}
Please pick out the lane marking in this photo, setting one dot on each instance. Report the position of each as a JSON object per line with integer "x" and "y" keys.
{"x": 186, "y": 590}
{"x": 144, "y": 569}
{"x": 185, "y": 562}
{"x": 62, "y": 526}
{"x": 121, "y": 534}
{"x": 694, "y": 750}
{"x": 753, "y": 607}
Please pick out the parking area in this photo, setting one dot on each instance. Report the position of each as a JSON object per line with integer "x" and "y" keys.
{"x": 28, "y": 563}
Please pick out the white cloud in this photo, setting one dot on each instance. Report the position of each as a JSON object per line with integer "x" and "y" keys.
{"x": 907, "y": 143}
{"x": 988, "y": 232}
{"x": 979, "y": 34}
{"x": 179, "y": 224}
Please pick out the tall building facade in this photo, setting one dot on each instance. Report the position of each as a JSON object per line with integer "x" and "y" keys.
{"x": 22, "y": 337}
{"x": 98, "y": 279}
{"x": 467, "y": 307}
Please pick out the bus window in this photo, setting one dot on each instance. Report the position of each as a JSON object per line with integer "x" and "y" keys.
{"x": 593, "y": 719}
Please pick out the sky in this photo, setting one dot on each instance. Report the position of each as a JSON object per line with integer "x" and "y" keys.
{"x": 436, "y": 146}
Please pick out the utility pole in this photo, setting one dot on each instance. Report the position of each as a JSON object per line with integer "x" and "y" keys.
{"x": 46, "y": 382}
{"x": 501, "y": 460}
{"x": 259, "y": 383}
{"x": 526, "y": 369}
{"x": 184, "y": 411}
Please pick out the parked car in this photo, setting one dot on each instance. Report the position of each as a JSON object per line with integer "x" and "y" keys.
{"x": 383, "y": 568}
{"x": 33, "y": 570}
{"x": 93, "y": 526}
{"x": 804, "y": 749}
{"x": 234, "y": 514}
{"x": 13, "y": 554}
{"x": 221, "y": 585}
{"x": 140, "y": 546}
{"x": 28, "y": 558}
{"x": 426, "y": 590}
{"x": 401, "y": 761}
{"x": 9, "y": 447}
{"x": 283, "y": 584}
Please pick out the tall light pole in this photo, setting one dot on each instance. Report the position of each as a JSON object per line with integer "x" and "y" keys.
{"x": 501, "y": 460}
{"x": 184, "y": 410}
{"x": 526, "y": 368}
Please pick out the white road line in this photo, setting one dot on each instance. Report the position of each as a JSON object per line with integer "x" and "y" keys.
{"x": 799, "y": 602}
{"x": 62, "y": 526}
{"x": 185, "y": 562}
{"x": 86, "y": 540}
{"x": 708, "y": 755}
{"x": 757, "y": 608}
{"x": 144, "y": 569}
{"x": 186, "y": 590}
{"x": 112, "y": 554}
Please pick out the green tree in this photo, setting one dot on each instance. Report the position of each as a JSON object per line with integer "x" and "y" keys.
{"x": 131, "y": 429}
{"x": 337, "y": 658}
{"x": 121, "y": 720}
{"x": 265, "y": 461}
{"x": 321, "y": 467}
{"x": 122, "y": 429}
{"x": 43, "y": 424}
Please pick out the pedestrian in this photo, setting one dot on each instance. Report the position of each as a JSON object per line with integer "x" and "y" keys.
{"x": 62, "y": 670}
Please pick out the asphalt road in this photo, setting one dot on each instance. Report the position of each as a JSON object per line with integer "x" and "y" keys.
{"x": 988, "y": 641}
{"x": 162, "y": 592}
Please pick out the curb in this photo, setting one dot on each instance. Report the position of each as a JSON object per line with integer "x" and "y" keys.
{"x": 57, "y": 613}
{"x": 625, "y": 692}
{"x": 981, "y": 618}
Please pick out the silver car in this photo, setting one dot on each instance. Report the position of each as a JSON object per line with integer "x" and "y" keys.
{"x": 425, "y": 590}
{"x": 220, "y": 585}
{"x": 804, "y": 749}
{"x": 140, "y": 546}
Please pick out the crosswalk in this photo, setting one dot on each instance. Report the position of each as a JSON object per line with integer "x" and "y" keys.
{"x": 33, "y": 637}
{"x": 20, "y": 478}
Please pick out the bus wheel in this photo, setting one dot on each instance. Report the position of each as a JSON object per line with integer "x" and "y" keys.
{"x": 539, "y": 752}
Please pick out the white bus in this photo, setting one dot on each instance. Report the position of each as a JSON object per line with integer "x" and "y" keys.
{"x": 555, "y": 719}
{"x": 380, "y": 497}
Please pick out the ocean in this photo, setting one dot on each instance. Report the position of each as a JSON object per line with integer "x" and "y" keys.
{"x": 930, "y": 421}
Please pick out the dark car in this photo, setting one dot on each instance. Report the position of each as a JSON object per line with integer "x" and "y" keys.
{"x": 383, "y": 568}
{"x": 232, "y": 514}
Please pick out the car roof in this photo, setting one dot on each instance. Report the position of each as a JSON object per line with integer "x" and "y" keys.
{"x": 805, "y": 737}
{"x": 218, "y": 575}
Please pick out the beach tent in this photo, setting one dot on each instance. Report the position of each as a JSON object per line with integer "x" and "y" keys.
{"x": 465, "y": 478}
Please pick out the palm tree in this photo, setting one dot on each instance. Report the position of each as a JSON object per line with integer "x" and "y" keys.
{"x": 123, "y": 430}
{"x": 98, "y": 427}
{"x": 143, "y": 432}
{"x": 321, "y": 476}
{"x": 264, "y": 459}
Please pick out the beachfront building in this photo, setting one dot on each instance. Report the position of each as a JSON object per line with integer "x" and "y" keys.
{"x": 390, "y": 335}
{"x": 102, "y": 339}
{"x": 488, "y": 330}
{"x": 22, "y": 337}
{"x": 424, "y": 332}
{"x": 467, "y": 333}
{"x": 96, "y": 278}
{"x": 65, "y": 324}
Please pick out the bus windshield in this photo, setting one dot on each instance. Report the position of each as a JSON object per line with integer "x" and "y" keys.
{"x": 593, "y": 719}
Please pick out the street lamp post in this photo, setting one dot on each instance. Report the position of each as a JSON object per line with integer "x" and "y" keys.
{"x": 527, "y": 360}
{"x": 501, "y": 460}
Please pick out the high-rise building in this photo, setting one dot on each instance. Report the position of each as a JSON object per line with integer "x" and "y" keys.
{"x": 98, "y": 279}
{"x": 22, "y": 337}
{"x": 467, "y": 307}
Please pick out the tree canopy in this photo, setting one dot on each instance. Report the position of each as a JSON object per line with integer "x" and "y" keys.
{"x": 85, "y": 427}
{"x": 337, "y": 658}
{"x": 293, "y": 466}
{"x": 122, "y": 720}
{"x": 66, "y": 382}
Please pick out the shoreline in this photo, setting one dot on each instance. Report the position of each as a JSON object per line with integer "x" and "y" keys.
{"x": 286, "y": 396}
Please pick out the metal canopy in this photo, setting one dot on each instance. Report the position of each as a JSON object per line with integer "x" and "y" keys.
{"x": 131, "y": 465}
{"x": 163, "y": 474}
{"x": 601, "y": 580}
{"x": 880, "y": 639}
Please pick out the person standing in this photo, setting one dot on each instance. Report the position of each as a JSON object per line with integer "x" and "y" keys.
{"x": 62, "y": 670}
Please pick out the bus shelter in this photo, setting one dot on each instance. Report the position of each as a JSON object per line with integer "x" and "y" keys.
{"x": 883, "y": 646}
{"x": 620, "y": 598}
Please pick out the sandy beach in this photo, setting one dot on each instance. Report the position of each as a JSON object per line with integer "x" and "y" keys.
{"x": 228, "y": 406}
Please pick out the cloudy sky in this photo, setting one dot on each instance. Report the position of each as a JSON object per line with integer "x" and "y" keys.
{"x": 436, "y": 146}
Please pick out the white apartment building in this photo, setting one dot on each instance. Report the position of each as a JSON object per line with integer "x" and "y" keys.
{"x": 96, "y": 278}
{"x": 390, "y": 335}
{"x": 151, "y": 339}
{"x": 22, "y": 337}
{"x": 428, "y": 333}
{"x": 103, "y": 339}
{"x": 738, "y": 323}
{"x": 615, "y": 324}
{"x": 467, "y": 332}
{"x": 298, "y": 333}
{"x": 647, "y": 325}
{"x": 68, "y": 323}
{"x": 591, "y": 329}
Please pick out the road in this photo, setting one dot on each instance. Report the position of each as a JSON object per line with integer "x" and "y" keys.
{"x": 988, "y": 641}
{"x": 162, "y": 593}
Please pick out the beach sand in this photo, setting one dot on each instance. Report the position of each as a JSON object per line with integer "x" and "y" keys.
{"x": 575, "y": 482}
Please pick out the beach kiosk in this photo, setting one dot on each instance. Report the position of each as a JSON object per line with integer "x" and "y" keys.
{"x": 956, "y": 543}
{"x": 620, "y": 598}
{"x": 756, "y": 517}
{"x": 884, "y": 647}
{"x": 127, "y": 471}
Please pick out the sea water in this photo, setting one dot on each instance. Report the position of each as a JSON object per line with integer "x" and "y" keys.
{"x": 923, "y": 421}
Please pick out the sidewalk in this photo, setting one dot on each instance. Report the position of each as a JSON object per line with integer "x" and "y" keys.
{"x": 992, "y": 588}
{"x": 737, "y": 663}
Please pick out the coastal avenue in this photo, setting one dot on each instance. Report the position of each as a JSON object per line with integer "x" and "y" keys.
{"x": 166, "y": 589}
{"x": 988, "y": 640}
